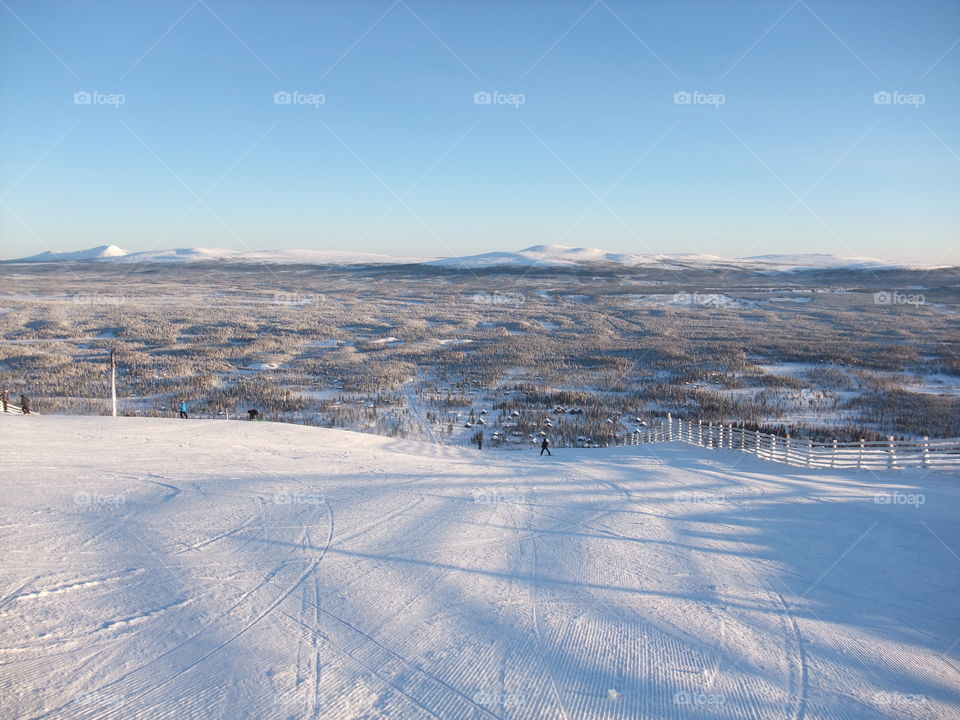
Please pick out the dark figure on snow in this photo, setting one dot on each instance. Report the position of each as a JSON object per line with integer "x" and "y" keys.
{"x": 6, "y": 399}
{"x": 183, "y": 409}
{"x": 25, "y": 404}
{"x": 480, "y": 441}
{"x": 254, "y": 414}
{"x": 545, "y": 445}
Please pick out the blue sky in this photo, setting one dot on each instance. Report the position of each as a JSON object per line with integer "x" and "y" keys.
{"x": 782, "y": 147}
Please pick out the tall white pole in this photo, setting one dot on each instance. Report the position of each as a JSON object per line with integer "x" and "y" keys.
{"x": 113, "y": 381}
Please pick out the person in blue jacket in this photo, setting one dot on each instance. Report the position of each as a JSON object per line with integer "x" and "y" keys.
{"x": 183, "y": 409}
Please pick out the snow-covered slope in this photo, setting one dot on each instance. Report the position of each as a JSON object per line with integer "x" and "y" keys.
{"x": 821, "y": 260}
{"x": 562, "y": 255}
{"x": 192, "y": 255}
{"x": 98, "y": 253}
{"x": 305, "y": 257}
{"x": 195, "y": 569}
{"x": 538, "y": 255}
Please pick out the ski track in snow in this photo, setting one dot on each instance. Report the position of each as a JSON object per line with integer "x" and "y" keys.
{"x": 276, "y": 571}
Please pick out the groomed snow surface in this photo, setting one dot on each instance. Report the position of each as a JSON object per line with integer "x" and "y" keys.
{"x": 217, "y": 569}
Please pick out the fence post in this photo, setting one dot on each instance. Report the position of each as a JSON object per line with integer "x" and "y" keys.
{"x": 680, "y": 429}
{"x": 860, "y": 458}
{"x": 833, "y": 457}
{"x": 700, "y": 433}
{"x": 710, "y": 435}
{"x": 926, "y": 452}
{"x": 786, "y": 452}
{"x": 670, "y": 427}
{"x": 809, "y": 450}
{"x": 730, "y": 436}
{"x": 773, "y": 447}
{"x": 891, "y": 454}
{"x": 756, "y": 443}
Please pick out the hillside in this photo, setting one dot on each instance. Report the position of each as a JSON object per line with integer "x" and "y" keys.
{"x": 555, "y": 256}
{"x": 195, "y": 569}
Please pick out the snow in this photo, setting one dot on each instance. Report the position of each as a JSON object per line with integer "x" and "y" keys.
{"x": 790, "y": 299}
{"x": 96, "y": 253}
{"x": 563, "y": 255}
{"x": 554, "y": 255}
{"x": 196, "y": 569}
{"x": 542, "y": 255}
{"x": 936, "y": 384}
{"x": 809, "y": 261}
{"x": 189, "y": 255}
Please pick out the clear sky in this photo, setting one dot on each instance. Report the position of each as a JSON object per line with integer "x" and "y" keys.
{"x": 783, "y": 146}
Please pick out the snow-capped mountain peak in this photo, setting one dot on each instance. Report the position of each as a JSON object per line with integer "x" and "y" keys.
{"x": 95, "y": 253}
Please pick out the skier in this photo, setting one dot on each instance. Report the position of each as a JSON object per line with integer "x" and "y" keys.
{"x": 25, "y": 404}
{"x": 183, "y": 409}
{"x": 545, "y": 445}
{"x": 480, "y": 441}
{"x": 6, "y": 399}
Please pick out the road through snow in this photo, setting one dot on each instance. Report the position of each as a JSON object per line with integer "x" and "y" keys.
{"x": 216, "y": 569}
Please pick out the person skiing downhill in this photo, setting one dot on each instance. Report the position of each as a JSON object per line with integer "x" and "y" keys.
{"x": 25, "y": 404}
{"x": 545, "y": 445}
{"x": 183, "y": 410}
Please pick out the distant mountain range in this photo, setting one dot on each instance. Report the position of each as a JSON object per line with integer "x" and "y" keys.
{"x": 538, "y": 255}
{"x": 114, "y": 254}
{"x": 564, "y": 255}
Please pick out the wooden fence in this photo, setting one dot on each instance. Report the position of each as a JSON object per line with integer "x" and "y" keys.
{"x": 875, "y": 455}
